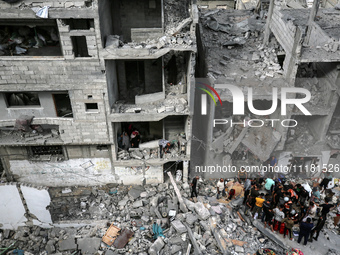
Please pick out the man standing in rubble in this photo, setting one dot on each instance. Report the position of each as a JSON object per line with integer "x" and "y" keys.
{"x": 258, "y": 205}
{"x": 194, "y": 187}
{"x": 305, "y": 230}
{"x": 220, "y": 188}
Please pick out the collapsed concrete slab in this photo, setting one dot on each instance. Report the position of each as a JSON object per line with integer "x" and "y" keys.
{"x": 88, "y": 245}
{"x": 12, "y": 210}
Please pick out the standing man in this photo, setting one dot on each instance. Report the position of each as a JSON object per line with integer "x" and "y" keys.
{"x": 317, "y": 229}
{"x": 269, "y": 186}
{"x": 305, "y": 230}
{"x": 258, "y": 205}
{"x": 247, "y": 187}
{"x": 326, "y": 207}
{"x": 194, "y": 187}
{"x": 220, "y": 188}
{"x": 289, "y": 223}
{"x": 273, "y": 161}
{"x": 278, "y": 216}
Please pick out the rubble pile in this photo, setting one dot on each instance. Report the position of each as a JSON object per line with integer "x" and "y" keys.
{"x": 175, "y": 12}
{"x": 150, "y": 219}
{"x": 300, "y": 138}
{"x": 196, "y": 225}
{"x": 334, "y": 141}
{"x": 150, "y": 150}
{"x": 236, "y": 41}
{"x": 174, "y": 102}
{"x": 181, "y": 38}
{"x": 136, "y": 153}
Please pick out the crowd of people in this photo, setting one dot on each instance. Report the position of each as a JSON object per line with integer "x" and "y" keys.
{"x": 281, "y": 205}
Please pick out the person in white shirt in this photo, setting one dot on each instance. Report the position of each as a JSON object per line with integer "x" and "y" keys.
{"x": 278, "y": 216}
{"x": 220, "y": 188}
{"x": 312, "y": 210}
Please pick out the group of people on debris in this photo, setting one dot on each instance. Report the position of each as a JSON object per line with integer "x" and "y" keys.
{"x": 284, "y": 204}
{"x": 281, "y": 204}
{"x": 129, "y": 139}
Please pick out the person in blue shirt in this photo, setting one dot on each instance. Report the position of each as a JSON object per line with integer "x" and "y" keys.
{"x": 305, "y": 230}
{"x": 273, "y": 161}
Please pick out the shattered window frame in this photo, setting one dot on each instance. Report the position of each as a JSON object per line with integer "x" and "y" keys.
{"x": 22, "y": 99}
{"x": 53, "y": 150}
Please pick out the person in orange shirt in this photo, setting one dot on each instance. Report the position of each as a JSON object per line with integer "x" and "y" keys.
{"x": 258, "y": 205}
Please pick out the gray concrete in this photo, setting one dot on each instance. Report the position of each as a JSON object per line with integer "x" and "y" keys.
{"x": 88, "y": 245}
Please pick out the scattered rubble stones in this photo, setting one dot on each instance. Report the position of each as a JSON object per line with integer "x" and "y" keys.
{"x": 137, "y": 208}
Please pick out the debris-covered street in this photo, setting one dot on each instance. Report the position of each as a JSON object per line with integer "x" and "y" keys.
{"x": 154, "y": 220}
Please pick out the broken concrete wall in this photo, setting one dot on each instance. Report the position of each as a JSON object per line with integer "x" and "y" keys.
{"x": 46, "y": 108}
{"x": 88, "y": 171}
{"x": 12, "y": 211}
{"x": 285, "y": 33}
{"x": 71, "y": 131}
{"x": 37, "y": 201}
{"x": 85, "y": 171}
{"x": 38, "y": 75}
{"x": 319, "y": 37}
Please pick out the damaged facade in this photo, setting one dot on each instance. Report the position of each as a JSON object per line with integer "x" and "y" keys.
{"x": 296, "y": 48}
{"x": 76, "y": 80}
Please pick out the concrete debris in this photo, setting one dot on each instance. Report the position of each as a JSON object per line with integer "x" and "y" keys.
{"x": 178, "y": 226}
{"x": 150, "y": 150}
{"x": 210, "y": 227}
{"x": 174, "y": 101}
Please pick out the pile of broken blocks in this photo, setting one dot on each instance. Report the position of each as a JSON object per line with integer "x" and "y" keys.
{"x": 202, "y": 227}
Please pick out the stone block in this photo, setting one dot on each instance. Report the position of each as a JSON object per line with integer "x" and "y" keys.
{"x": 156, "y": 247}
{"x": 137, "y": 204}
{"x": 89, "y": 245}
{"x": 191, "y": 218}
{"x": 202, "y": 211}
{"x": 178, "y": 225}
{"x": 67, "y": 244}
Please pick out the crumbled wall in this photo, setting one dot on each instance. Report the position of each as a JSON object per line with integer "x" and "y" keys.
{"x": 11, "y": 208}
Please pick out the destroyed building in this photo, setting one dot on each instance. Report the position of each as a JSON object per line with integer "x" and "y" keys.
{"x": 282, "y": 48}
{"x": 76, "y": 74}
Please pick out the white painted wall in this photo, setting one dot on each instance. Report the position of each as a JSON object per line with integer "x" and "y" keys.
{"x": 128, "y": 175}
{"x": 82, "y": 171}
{"x": 11, "y": 208}
{"x": 37, "y": 201}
